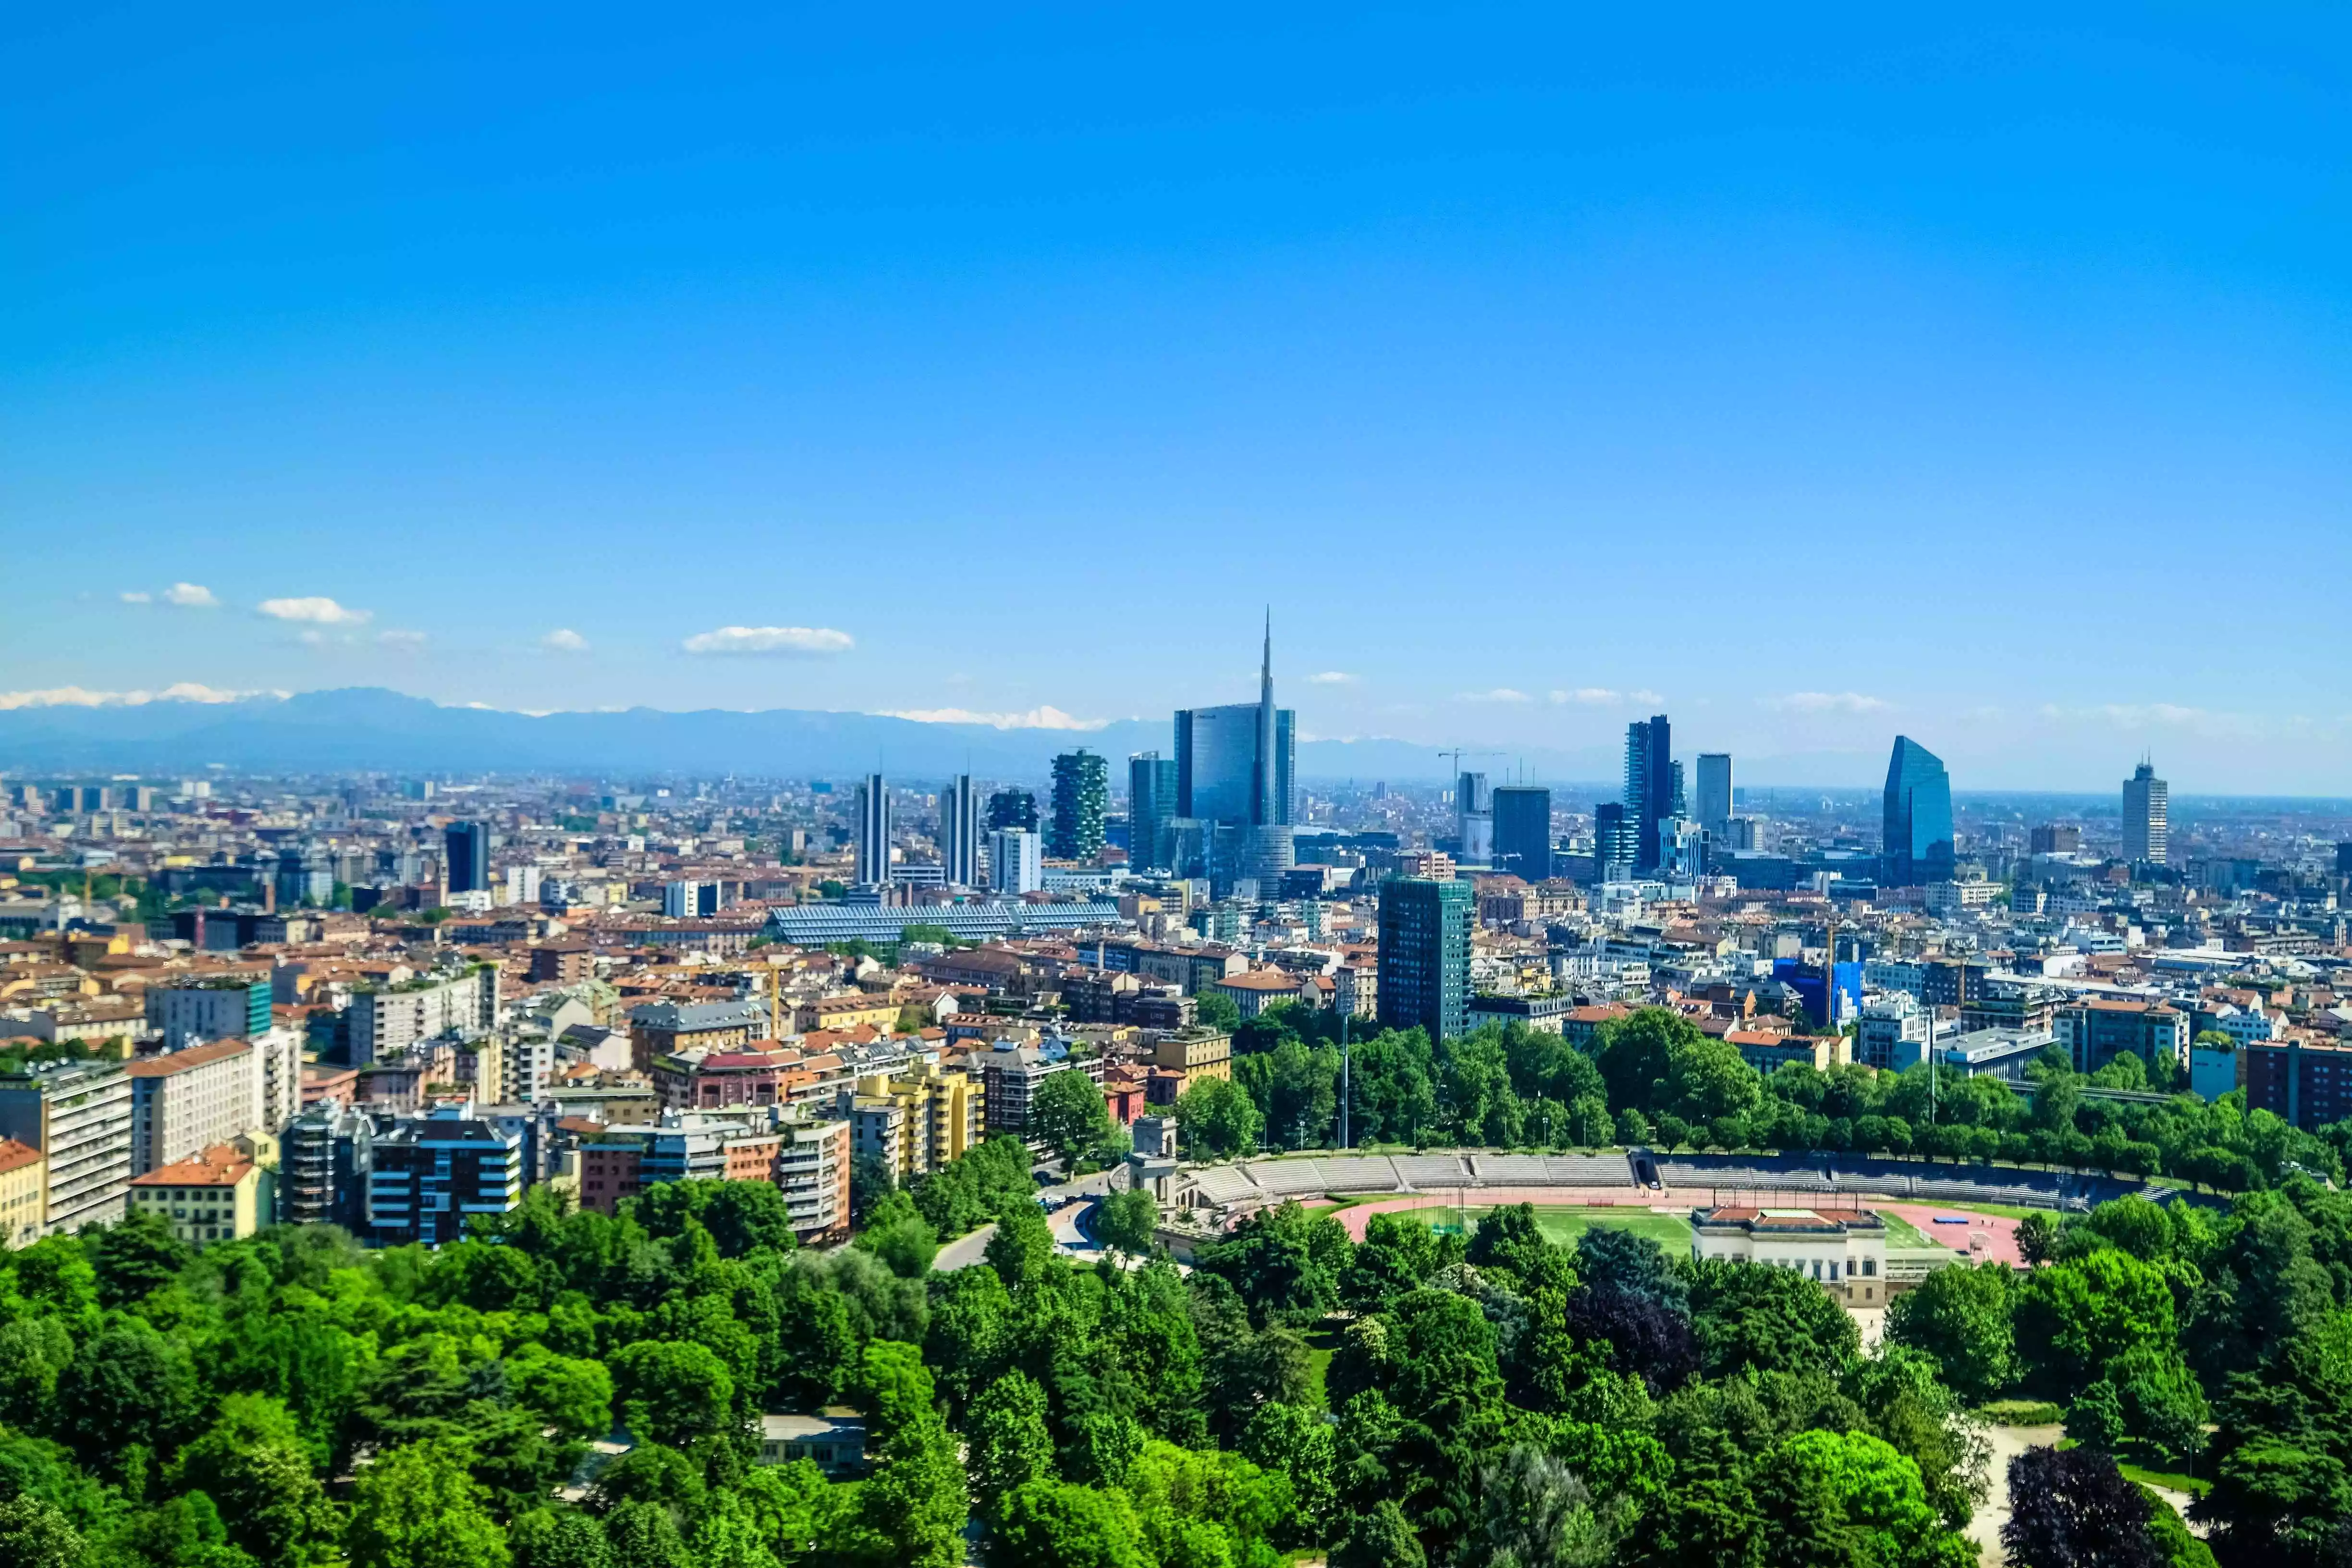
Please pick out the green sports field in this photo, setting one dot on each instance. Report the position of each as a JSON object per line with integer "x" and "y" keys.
{"x": 1901, "y": 1232}
{"x": 1564, "y": 1225}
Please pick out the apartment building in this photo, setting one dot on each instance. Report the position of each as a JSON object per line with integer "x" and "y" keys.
{"x": 388, "y": 1020}
{"x": 2096, "y": 1032}
{"x": 185, "y": 1101}
{"x": 214, "y": 1195}
{"x": 431, "y": 1175}
{"x": 216, "y": 1007}
{"x": 24, "y": 1187}
{"x": 77, "y": 1115}
{"x": 942, "y": 1114}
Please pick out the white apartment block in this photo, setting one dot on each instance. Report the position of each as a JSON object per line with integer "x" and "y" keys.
{"x": 185, "y": 1101}
{"x": 388, "y": 1022}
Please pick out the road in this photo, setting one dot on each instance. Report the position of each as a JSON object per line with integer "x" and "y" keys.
{"x": 1071, "y": 1235}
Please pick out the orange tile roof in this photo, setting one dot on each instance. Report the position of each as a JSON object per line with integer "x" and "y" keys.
{"x": 222, "y": 1165}
{"x": 16, "y": 1156}
{"x": 183, "y": 1061}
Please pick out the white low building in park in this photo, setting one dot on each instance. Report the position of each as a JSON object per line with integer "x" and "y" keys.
{"x": 1845, "y": 1251}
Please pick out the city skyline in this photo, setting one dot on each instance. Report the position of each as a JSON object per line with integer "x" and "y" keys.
{"x": 1387, "y": 313}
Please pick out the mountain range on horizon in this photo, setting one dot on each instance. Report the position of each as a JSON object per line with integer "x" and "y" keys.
{"x": 373, "y": 729}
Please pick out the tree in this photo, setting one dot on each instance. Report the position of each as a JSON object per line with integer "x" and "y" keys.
{"x": 34, "y": 1534}
{"x": 416, "y": 1508}
{"x": 1127, "y": 1220}
{"x": 2037, "y": 1237}
{"x": 137, "y": 1256}
{"x": 1961, "y": 1316}
{"x": 573, "y": 1395}
{"x": 2074, "y": 1318}
{"x": 894, "y": 1387}
{"x": 251, "y": 1464}
{"x": 1022, "y": 1250}
{"x": 1053, "y": 1524}
{"x": 911, "y": 1513}
{"x": 1216, "y": 1010}
{"x": 1008, "y": 1444}
{"x": 128, "y": 1388}
{"x": 2075, "y": 1510}
{"x": 1068, "y": 1112}
{"x": 1282, "y": 1261}
{"x": 673, "y": 1392}
{"x": 1218, "y": 1120}
{"x": 1772, "y": 1320}
{"x": 559, "y": 1538}
{"x": 895, "y": 1231}
{"x": 1833, "y": 1497}
{"x": 1533, "y": 1513}
{"x": 870, "y": 1179}
{"x": 1381, "y": 1538}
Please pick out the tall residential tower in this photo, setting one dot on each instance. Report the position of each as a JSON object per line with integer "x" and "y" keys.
{"x": 1650, "y": 787}
{"x": 2147, "y": 805}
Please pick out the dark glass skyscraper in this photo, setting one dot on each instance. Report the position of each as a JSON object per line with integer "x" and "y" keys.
{"x": 466, "y": 856}
{"x": 1425, "y": 956}
{"x": 1523, "y": 831}
{"x": 1650, "y": 787}
{"x": 1081, "y": 797}
{"x": 873, "y": 843}
{"x": 1150, "y": 807}
{"x": 959, "y": 833}
{"x": 1919, "y": 827}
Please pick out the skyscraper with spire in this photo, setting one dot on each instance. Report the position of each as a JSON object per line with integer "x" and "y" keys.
{"x": 1235, "y": 774}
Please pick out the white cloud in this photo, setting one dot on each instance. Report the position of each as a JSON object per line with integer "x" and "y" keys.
{"x": 770, "y": 639}
{"x": 1605, "y": 697}
{"x": 406, "y": 642}
{"x": 191, "y": 596}
{"x": 135, "y": 597}
{"x": 320, "y": 612}
{"x": 1828, "y": 702}
{"x": 563, "y": 639}
{"x": 80, "y": 697}
{"x": 1044, "y": 717}
{"x": 1333, "y": 677}
{"x": 1500, "y": 694}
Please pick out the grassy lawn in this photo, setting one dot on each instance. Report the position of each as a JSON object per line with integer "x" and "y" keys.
{"x": 1321, "y": 1345}
{"x": 1564, "y": 1225}
{"x": 2022, "y": 1413}
{"x": 1901, "y": 1232}
{"x": 2194, "y": 1485}
{"x": 2006, "y": 1211}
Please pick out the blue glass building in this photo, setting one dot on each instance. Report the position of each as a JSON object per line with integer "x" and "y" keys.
{"x": 1918, "y": 825}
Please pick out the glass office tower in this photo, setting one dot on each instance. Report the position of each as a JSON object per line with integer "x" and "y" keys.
{"x": 1918, "y": 825}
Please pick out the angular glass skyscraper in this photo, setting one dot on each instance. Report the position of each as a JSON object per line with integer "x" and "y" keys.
{"x": 1919, "y": 825}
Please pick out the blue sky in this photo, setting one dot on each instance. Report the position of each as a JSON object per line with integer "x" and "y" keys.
{"x": 1810, "y": 378}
